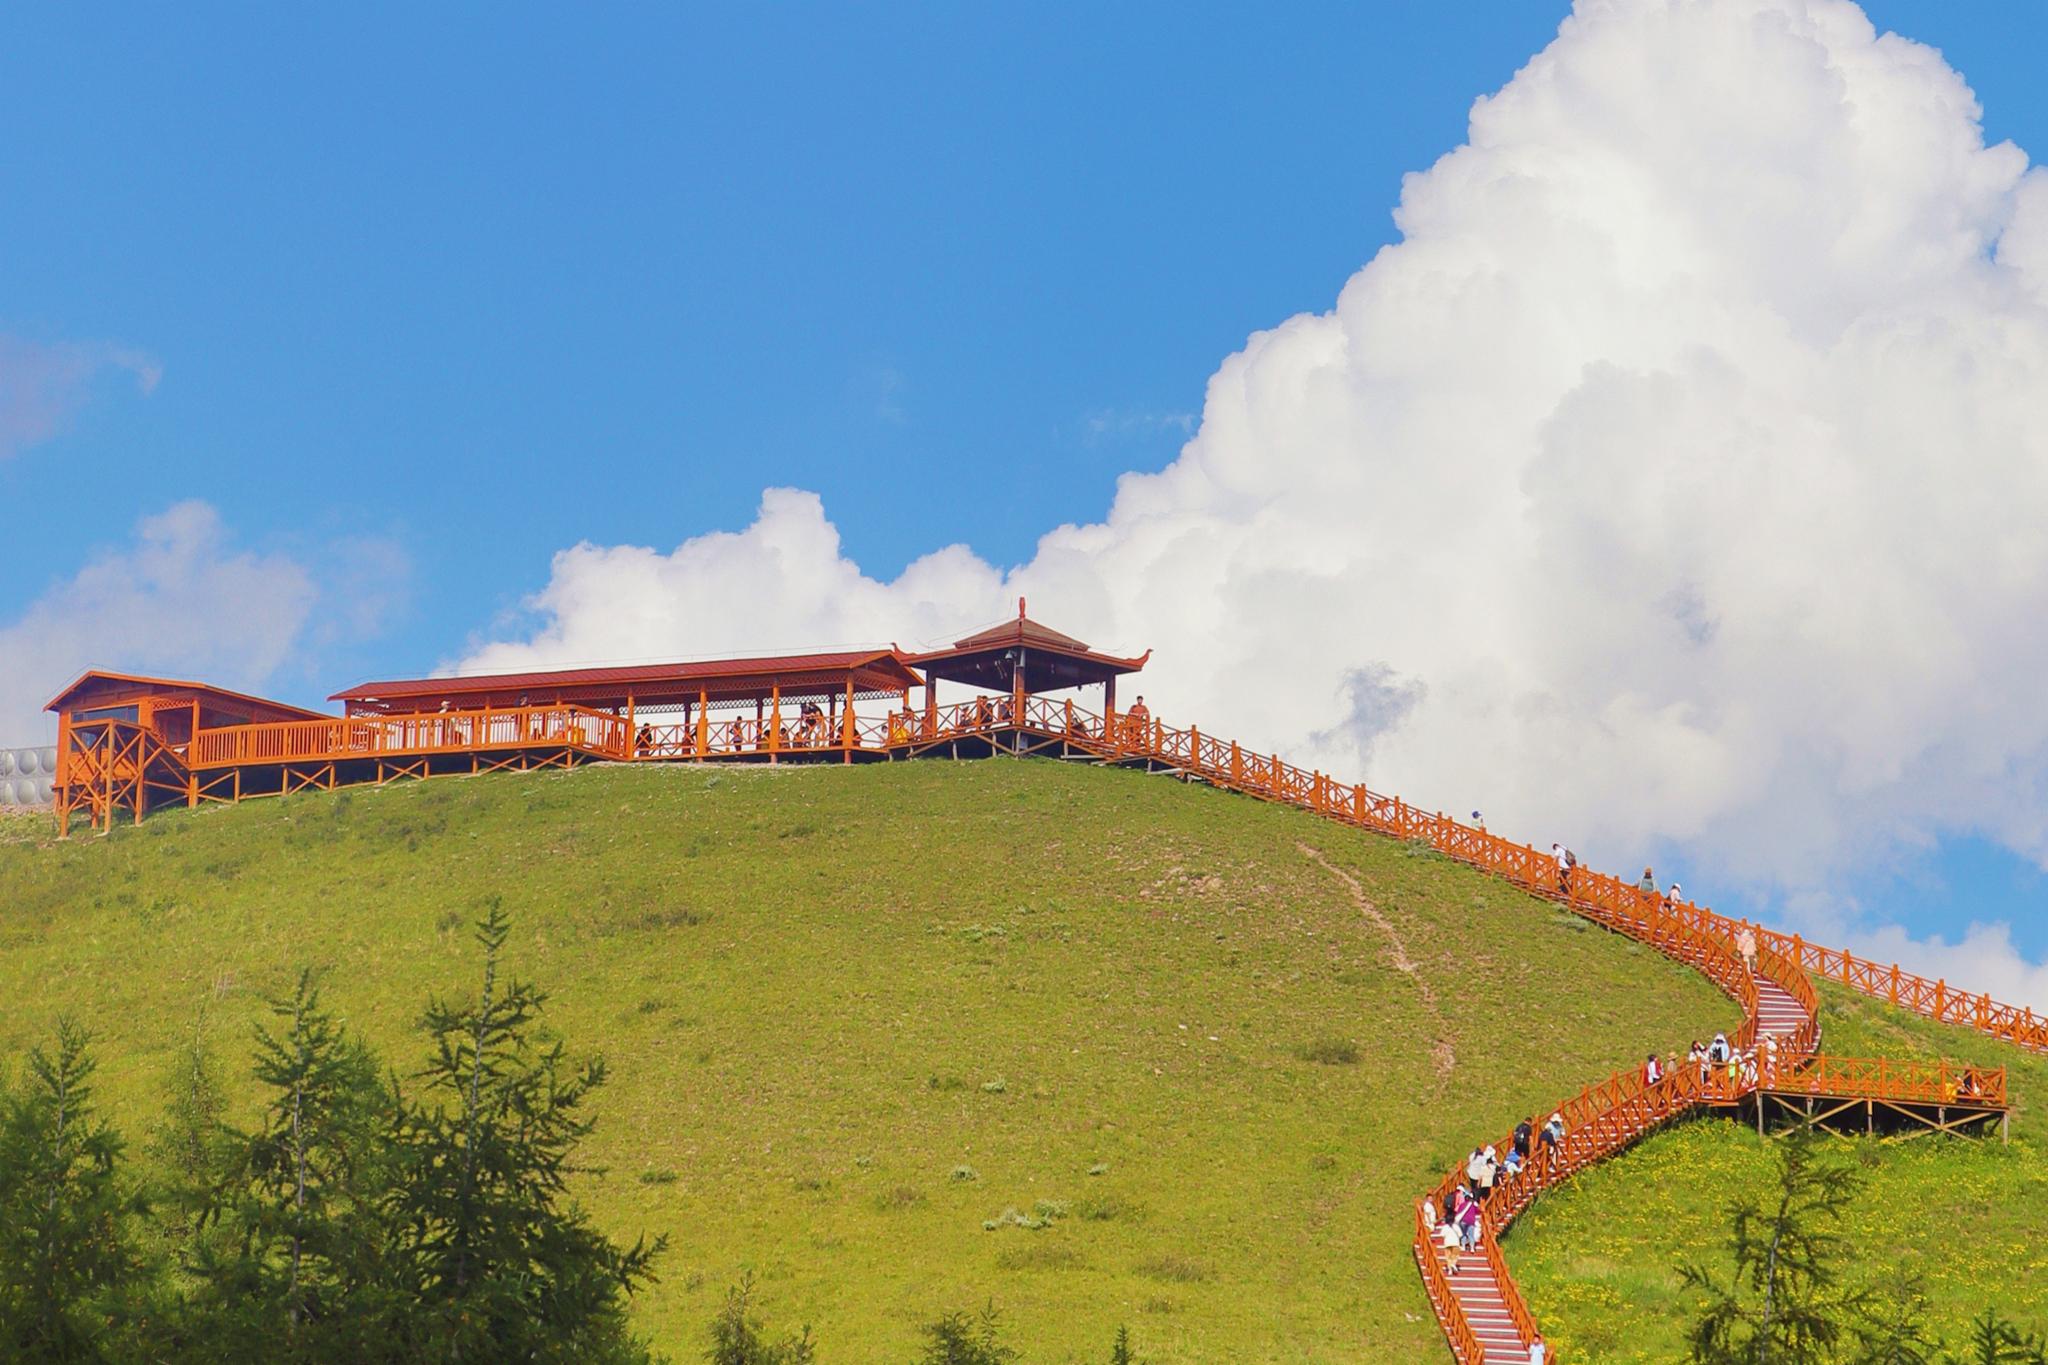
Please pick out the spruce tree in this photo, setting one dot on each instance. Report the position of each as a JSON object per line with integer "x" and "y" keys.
{"x": 1120, "y": 1351}
{"x": 1893, "y": 1327}
{"x": 1784, "y": 1303}
{"x": 503, "y": 1266}
{"x": 958, "y": 1339}
{"x": 737, "y": 1339}
{"x": 300, "y": 1268}
{"x": 191, "y": 1145}
{"x": 71, "y": 1277}
{"x": 1996, "y": 1341}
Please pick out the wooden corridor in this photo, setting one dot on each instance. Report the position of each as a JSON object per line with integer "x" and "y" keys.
{"x": 110, "y": 767}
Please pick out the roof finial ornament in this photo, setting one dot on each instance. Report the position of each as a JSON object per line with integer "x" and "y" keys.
{"x": 1020, "y": 608}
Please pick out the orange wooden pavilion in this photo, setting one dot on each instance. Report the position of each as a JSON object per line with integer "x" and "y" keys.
{"x": 129, "y": 743}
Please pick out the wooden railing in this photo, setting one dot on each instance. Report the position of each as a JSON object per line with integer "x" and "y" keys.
{"x": 596, "y": 733}
{"x": 1114, "y": 737}
{"x": 1931, "y": 997}
{"x": 1884, "y": 1078}
{"x": 1609, "y": 899}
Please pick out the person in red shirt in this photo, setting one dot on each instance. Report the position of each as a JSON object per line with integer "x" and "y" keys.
{"x": 1139, "y": 721}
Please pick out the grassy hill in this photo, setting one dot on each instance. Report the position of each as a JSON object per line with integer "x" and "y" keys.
{"x": 857, "y": 1015}
{"x": 1598, "y": 1257}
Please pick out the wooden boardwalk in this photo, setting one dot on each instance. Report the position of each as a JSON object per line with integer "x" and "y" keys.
{"x": 112, "y": 767}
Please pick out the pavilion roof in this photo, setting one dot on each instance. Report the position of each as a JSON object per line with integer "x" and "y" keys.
{"x": 1052, "y": 659}
{"x": 872, "y": 672}
{"x": 104, "y": 687}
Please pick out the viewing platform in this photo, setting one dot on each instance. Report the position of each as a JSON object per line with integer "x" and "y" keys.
{"x": 128, "y": 743}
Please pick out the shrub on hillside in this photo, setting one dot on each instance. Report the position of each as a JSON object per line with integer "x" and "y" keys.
{"x": 1330, "y": 1052}
{"x": 738, "y": 1339}
{"x": 961, "y": 1339}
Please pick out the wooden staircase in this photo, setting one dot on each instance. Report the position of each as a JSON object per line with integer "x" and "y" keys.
{"x": 1476, "y": 1288}
{"x": 1485, "y": 1320}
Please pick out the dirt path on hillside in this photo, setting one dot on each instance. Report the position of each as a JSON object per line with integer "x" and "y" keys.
{"x": 1441, "y": 1051}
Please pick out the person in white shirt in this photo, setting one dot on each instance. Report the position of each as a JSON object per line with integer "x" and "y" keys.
{"x": 1538, "y": 1352}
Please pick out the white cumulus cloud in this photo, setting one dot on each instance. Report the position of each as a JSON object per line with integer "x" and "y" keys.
{"x": 180, "y": 598}
{"x": 1677, "y": 477}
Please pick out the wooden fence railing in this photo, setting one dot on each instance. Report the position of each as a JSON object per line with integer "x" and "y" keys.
{"x": 596, "y": 733}
{"x": 1885, "y": 1078}
{"x": 1115, "y": 737}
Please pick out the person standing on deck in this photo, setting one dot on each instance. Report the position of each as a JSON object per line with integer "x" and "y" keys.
{"x": 1139, "y": 721}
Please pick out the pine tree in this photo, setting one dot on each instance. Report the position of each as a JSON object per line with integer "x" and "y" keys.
{"x": 191, "y": 1144}
{"x": 70, "y": 1273}
{"x": 737, "y": 1339}
{"x": 1120, "y": 1352}
{"x": 1784, "y": 1303}
{"x": 958, "y": 1339}
{"x": 300, "y": 1268}
{"x": 503, "y": 1266}
{"x": 1996, "y": 1341}
{"x": 1893, "y": 1329}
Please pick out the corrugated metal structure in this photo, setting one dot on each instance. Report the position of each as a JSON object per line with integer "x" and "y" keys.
{"x": 28, "y": 777}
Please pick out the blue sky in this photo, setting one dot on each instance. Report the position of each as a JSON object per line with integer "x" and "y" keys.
{"x": 473, "y": 286}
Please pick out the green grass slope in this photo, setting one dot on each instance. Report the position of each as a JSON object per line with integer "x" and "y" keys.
{"x": 1598, "y": 1258}
{"x": 856, "y": 1014}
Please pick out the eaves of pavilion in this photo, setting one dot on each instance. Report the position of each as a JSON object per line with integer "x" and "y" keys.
{"x": 829, "y": 679}
{"x": 172, "y": 708}
{"x": 1023, "y": 657}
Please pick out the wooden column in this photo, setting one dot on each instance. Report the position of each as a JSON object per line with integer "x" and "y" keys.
{"x": 775, "y": 724}
{"x": 62, "y": 805}
{"x": 846, "y": 723}
{"x": 931, "y": 706}
{"x": 703, "y": 722}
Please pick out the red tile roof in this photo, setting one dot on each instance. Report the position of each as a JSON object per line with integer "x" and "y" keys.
{"x": 883, "y": 669}
{"x": 142, "y": 683}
